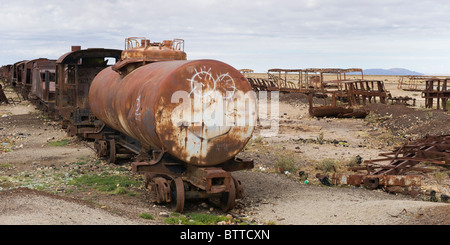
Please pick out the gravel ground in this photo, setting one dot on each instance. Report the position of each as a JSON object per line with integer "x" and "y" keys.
{"x": 290, "y": 202}
{"x": 29, "y": 207}
{"x": 270, "y": 197}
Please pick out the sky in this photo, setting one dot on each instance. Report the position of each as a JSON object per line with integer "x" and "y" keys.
{"x": 258, "y": 34}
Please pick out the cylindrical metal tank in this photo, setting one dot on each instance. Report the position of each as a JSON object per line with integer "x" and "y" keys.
{"x": 202, "y": 112}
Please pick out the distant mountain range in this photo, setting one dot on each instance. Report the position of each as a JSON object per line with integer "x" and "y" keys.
{"x": 393, "y": 71}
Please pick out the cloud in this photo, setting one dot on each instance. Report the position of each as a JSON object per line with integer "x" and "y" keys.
{"x": 257, "y": 34}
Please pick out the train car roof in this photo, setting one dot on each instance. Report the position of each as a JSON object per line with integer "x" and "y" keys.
{"x": 20, "y": 62}
{"x": 45, "y": 59}
{"x": 74, "y": 56}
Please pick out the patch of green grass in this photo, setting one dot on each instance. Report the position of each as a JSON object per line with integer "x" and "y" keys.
{"x": 327, "y": 165}
{"x": 195, "y": 219}
{"x": 375, "y": 118}
{"x": 120, "y": 191}
{"x": 146, "y": 216}
{"x": 39, "y": 187}
{"x": 270, "y": 222}
{"x": 62, "y": 142}
{"x": 338, "y": 165}
{"x": 176, "y": 221}
{"x": 320, "y": 138}
{"x": 286, "y": 164}
{"x": 108, "y": 183}
{"x": 258, "y": 139}
{"x": 80, "y": 162}
{"x": 440, "y": 176}
{"x": 354, "y": 161}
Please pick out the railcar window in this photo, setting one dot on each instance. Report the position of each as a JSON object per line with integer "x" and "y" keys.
{"x": 51, "y": 76}
{"x": 93, "y": 61}
{"x": 69, "y": 74}
{"x": 110, "y": 61}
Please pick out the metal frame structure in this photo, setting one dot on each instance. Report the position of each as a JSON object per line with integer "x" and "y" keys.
{"x": 412, "y": 83}
{"x": 438, "y": 89}
{"x": 311, "y": 81}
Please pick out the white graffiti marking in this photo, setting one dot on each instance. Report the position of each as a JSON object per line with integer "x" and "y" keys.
{"x": 204, "y": 84}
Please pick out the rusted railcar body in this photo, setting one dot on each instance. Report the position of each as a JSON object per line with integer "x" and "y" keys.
{"x": 42, "y": 87}
{"x": 18, "y": 76}
{"x": 4, "y": 72}
{"x": 25, "y": 84}
{"x": 7, "y": 74}
{"x": 74, "y": 73}
{"x": 24, "y": 76}
{"x": 160, "y": 101}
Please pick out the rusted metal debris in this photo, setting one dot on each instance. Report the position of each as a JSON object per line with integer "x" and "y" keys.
{"x": 401, "y": 100}
{"x": 430, "y": 149}
{"x": 334, "y": 110}
{"x": 372, "y": 182}
{"x": 438, "y": 89}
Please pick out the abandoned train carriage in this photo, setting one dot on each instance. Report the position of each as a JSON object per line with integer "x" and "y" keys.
{"x": 18, "y": 74}
{"x": 75, "y": 71}
{"x": 5, "y": 72}
{"x": 42, "y": 84}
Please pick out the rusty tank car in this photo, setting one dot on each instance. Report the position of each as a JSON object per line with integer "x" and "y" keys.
{"x": 186, "y": 119}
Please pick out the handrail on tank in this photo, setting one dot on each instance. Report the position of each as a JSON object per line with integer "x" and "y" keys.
{"x": 135, "y": 42}
{"x": 178, "y": 44}
{"x": 142, "y": 42}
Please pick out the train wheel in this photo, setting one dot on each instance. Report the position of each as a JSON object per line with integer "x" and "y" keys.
{"x": 112, "y": 151}
{"x": 100, "y": 147}
{"x": 162, "y": 189}
{"x": 239, "y": 188}
{"x": 177, "y": 194}
{"x": 151, "y": 193}
{"x": 227, "y": 200}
